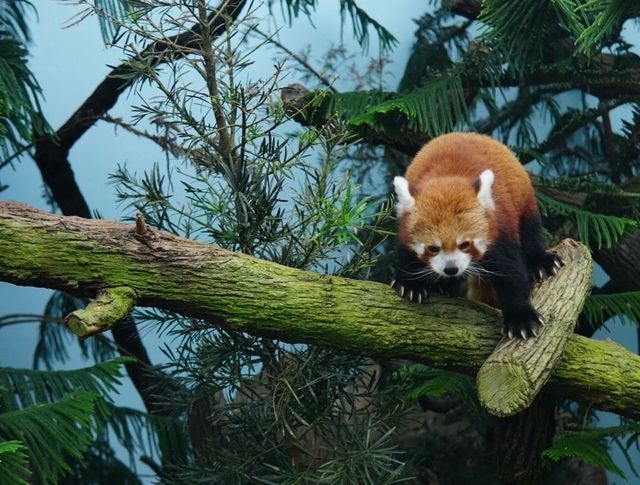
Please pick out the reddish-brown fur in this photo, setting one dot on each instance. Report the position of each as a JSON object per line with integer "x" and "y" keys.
{"x": 441, "y": 178}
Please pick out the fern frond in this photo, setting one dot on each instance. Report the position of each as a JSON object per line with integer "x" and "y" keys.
{"x": 13, "y": 19}
{"x": 52, "y": 433}
{"x": 607, "y": 16}
{"x": 153, "y": 434}
{"x": 348, "y": 105}
{"x": 111, "y": 14}
{"x": 522, "y": 30}
{"x": 19, "y": 93}
{"x": 590, "y": 445}
{"x": 30, "y": 387}
{"x": 594, "y": 230}
{"x": 438, "y": 382}
{"x": 599, "y": 308}
{"x": 14, "y": 463}
{"x": 433, "y": 109}
{"x": 361, "y": 21}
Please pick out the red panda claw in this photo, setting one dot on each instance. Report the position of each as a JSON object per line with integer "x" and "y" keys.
{"x": 558, "y": 263}
{"x": 523, "y": 332}
{"x": 410, "y": 295}
{"x": 541, "y": 321}
{"x": 401, "y": 290}
{"x": 502, "y": 331}
{"x": 534, "y": 331}
{"x": 541, "y": 274}
{"x": 510, "y": 334}
{"x": 419, "y": 298}
{"x": 393, "y": 283}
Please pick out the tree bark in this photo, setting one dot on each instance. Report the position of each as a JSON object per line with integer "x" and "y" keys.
{"x": 516, "y": 371}
{"x": 244, "y": 293}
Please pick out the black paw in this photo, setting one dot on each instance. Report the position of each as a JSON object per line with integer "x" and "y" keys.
{"x": 522, "y": 323}
{"x": 548, "y": 264}
{"x": 412, "y": 290}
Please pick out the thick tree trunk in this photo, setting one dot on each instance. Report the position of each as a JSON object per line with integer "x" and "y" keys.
{"x": 237, "y": 291}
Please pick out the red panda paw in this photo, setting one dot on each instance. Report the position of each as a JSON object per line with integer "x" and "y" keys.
{"x": 410, "y": 290}
{"x": 547, "y": 265}
{"x": 523, "y": 323}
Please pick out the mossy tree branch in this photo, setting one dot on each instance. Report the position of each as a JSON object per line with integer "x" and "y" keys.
{"x": 516, "y": 371}
{"x": 244, "y": 293}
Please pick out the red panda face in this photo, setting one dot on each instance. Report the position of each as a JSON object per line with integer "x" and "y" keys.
{"x": 446, "y": 225}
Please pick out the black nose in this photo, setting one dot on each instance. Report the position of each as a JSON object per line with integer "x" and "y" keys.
{"x": 451, "y": 270}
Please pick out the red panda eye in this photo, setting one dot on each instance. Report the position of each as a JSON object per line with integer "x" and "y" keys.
{"x": 464, "y": 245}
{"x": 433, "y": 249}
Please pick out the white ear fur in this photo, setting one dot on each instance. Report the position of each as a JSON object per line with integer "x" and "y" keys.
{"x": 405, "y": 199}
{"x": 485, "y": 197}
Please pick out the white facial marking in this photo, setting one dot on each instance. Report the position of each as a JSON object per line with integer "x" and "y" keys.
{"x": 480, "y": 244}
{"x": 485, "y": 197}
{"x": 405, "y": 199}
{"x": 418, "y": 248}
{"x": 446, "y": 259}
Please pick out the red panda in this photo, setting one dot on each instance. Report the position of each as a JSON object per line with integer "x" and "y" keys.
{"x": 467, "y": 211}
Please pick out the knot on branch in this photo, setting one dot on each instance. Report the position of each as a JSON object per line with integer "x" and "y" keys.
{"x": 110, "y": 307}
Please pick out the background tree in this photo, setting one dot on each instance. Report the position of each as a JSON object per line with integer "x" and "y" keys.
{"x": 314, "y": 196}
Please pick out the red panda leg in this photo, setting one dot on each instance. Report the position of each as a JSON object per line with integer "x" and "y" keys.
{"x": 540, "y": 262}
{"x": 414, "y": 280}
{"x": 510, "y": 277}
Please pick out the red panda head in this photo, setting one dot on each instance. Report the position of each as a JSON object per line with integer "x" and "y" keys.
{"x": 445, "y": 220}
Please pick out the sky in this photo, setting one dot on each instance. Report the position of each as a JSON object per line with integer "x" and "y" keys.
{"x": 70, "y": 60}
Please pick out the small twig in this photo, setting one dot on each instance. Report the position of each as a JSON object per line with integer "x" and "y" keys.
{"x": 164, "y": 142}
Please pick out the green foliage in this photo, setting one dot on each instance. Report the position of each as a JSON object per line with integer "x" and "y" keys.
{"x": 605, "y": 17}
{"x": 434, "y": 109}
{"x": 19, "y": 90}
{"x": 590, "y": 445}
{"x": 52, "y": 433}
{"x": 371, "y": 462}
{"x": 56, "y": 414}
{"x": 29, "y": 387}
{"x": 523, "y": 30}
{"x": 427, "y": 381}
{"x": 599, "y": 308}
{"x": 14, "y": 463}
{"x": 118, "y": 10}
{"x": 594, "y": 230}
{"x": 154, "y": 435}
{"x": 361, "y": 22}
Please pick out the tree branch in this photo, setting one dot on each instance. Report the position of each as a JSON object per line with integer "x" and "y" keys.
{"x": 244, "y": 293}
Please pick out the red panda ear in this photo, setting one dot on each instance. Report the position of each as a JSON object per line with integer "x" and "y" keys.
{"x": 405, "y": 195}
{"x": 482, "y": 186}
